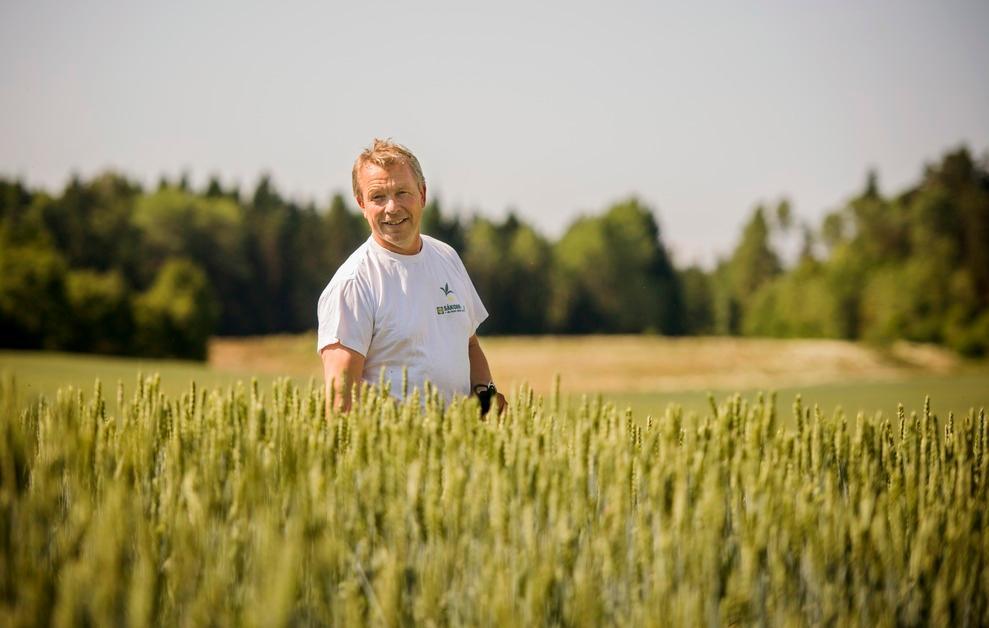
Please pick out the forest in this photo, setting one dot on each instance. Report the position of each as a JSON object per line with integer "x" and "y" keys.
{"x": 107, "y": 266}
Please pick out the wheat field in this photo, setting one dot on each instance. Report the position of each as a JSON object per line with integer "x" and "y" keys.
{"x": 247, "y": 505}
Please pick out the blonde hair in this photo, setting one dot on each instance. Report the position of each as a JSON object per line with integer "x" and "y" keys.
{"x": 384, "y": 154}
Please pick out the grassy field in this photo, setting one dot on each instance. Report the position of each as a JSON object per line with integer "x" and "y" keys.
{"x": 38, "y": 374}
{"x": 641, "y": 372}
{"x": 252, "y": 507}
{"x": 957, "y": 393}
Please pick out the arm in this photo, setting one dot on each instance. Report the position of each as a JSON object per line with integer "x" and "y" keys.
{"x": 480, "y": 372}
{"x": 342, "y": 368}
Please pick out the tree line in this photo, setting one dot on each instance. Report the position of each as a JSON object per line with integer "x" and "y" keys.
{"x": 106, "y": 266}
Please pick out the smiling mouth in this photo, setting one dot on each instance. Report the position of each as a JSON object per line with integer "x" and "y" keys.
{"x": 394, "y": 223}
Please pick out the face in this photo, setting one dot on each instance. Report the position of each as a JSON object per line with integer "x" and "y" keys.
{"x": 392, "y": 203}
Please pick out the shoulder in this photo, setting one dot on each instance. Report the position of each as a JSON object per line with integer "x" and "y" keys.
{"x": 352, "y": 274}
{"x": 446, "y": 254}
{"x": 355, "y": 265}
{"x": 440, "y": 249}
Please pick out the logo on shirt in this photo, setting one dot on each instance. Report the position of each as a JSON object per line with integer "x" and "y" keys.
{"x": 450, "y": 307}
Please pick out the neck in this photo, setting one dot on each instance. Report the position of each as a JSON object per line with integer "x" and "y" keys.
{"x": 413, "y": 249}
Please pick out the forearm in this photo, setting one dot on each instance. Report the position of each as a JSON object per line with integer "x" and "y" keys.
{"x": 480, "y": 372}
{"x": 337, "y": 387}
{"x": 342, "y": 370}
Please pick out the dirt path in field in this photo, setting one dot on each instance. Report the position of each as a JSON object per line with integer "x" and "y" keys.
{"x": 636, "y": 364}
{"x": 632, "y": 363}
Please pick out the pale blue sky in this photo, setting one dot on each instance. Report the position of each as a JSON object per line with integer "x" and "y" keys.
{"x": 554, "y": 109}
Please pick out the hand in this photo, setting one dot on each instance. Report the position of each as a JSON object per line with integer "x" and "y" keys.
{"x": 500, "y": 403}
{"x": 490, "y": 399}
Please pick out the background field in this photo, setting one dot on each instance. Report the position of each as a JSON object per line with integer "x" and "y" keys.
{"x": 644, "y": 373}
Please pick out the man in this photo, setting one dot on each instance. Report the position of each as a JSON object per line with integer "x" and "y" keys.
{"x": 402, "y": 300}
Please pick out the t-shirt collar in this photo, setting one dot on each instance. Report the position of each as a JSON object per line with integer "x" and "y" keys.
{"x": 399, "y": 257}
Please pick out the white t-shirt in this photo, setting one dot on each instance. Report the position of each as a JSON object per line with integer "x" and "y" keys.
{"x": 412, "y": 311}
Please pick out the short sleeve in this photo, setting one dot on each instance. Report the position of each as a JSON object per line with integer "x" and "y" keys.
{"x": 345, "y": 316}
{"x": 475, "y": 308}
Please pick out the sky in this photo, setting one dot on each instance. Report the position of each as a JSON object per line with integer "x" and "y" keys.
{"x": 550, "y": 109}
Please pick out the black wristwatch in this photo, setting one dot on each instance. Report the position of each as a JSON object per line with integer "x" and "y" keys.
{"x": 484, "y": 393}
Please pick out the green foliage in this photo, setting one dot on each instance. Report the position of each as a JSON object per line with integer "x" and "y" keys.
{"x": 913, "y": 266}
{"x": 510, "y": 266}
{"x": 847, "y": 274}
{"x": 175, "y": 316}
{"x": 897, "y": 303}
{"x": 799, "y": 304}
{"x": 909, "y": 267}
{"x": 266, "y": 261}
{"x": 698, "y": 301}
{"x": 727, "y": 311}
{"x": 101, "y": 319}
{"x": 579, "y": 260}
{"x": 178, "y": 224}
{"x": 343, "y": 230}
{"x": 22, "y": 216}
{"x": 91, "y": 223}
{"x": 754, "y": 262}
{"x": 322, "y": 241}
{"x": 292, "y": 252}
{"x": 441, "y": 227}
{"x": 239, "y": 506}
{"x": 613, "y": 274}
{"x": 735, "y": 282}
{"x": 33, "y": 310}
{"x": 784, "y": 215}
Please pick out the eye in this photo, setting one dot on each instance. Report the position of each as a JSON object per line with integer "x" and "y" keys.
{"x": 377, "y": 198}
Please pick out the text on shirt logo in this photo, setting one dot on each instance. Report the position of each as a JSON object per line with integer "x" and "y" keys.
{"x": 451, "y": 307}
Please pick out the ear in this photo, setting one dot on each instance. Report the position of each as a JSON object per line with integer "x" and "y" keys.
{"x": 422, "y": 192}
{"x": 360, "y": 201}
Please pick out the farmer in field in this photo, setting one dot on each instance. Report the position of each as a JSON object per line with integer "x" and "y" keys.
{"x": 402, "y": 300}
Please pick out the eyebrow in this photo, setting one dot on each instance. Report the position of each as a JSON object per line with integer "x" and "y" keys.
{"x": 375, "y": 187}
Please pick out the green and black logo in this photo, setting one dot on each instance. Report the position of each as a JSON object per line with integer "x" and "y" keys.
{"x": 451, "y": 306}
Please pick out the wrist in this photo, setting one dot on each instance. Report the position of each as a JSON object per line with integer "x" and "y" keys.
{"x": 485, "y": 393}
{"x": 486, "y": 387}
